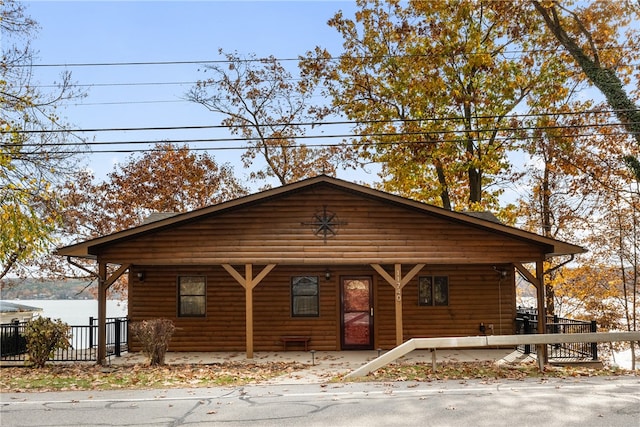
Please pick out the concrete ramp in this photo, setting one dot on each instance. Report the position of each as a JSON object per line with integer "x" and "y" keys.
{"x": 487, "y": 341}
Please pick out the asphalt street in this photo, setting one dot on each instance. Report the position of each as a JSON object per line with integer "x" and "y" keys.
{"x": 583, "y": 402}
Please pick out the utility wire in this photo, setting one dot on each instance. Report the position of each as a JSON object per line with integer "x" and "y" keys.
{"x": 120, "y": 84}
{"x": 348, "y": 122}
{"x": 262, "y": 59}
{"x": 284, "y": 146}
{"x": 183, "y": 83}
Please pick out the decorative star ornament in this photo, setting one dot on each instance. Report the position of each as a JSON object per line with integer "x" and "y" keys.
{"x": 325, "y": 223}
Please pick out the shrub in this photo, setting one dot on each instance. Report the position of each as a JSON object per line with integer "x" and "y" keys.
{"x": 154, "y": 336}
{"x": 44, "y": 336}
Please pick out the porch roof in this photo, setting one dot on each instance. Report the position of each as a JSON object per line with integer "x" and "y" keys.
{"x": 86, "y": 249}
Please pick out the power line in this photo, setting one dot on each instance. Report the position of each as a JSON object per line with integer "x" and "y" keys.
{"x": 348, "y": 122}
{"x": 168, "y": 101}
{"x": 333, "y": 122}
{"x": 121, "y": 84}
{"x": 262, "y": 59}
{"x": 286, "y": 146}
{"x": 183, "y": 83}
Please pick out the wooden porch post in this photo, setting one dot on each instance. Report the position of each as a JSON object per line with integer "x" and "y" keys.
{"x": 104, "y": 283}
{"x": 248, "y": 313}
{"x": 102, "y": 314}
{"x": 248, "y": 283}
{"x": 398, "y": 282}
{"x": 543, "y": 357}
{"x": 538, "y": 282}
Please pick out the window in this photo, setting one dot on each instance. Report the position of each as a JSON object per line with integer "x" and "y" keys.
{"x": 192, "y": 296}
{"x": 304, "y": 296}
{"x": 433, "y": 290}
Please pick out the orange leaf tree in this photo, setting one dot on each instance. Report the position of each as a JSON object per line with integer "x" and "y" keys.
{"x": 431, "y": 87}
{"x": 165, "y": 179}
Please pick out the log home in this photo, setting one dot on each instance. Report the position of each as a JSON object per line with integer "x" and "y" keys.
{"x": 321, "y": 263}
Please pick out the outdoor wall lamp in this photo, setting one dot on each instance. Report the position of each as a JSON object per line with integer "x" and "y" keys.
{"x": 327, "y": 274}
{"x": 140, "y": 275}
{"x": 501, "y": 271}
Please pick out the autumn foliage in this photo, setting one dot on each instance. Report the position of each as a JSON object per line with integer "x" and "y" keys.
{"x": 166, "y": 179}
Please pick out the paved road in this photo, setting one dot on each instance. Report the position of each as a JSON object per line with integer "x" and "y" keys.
{"x": 586, "y": 402}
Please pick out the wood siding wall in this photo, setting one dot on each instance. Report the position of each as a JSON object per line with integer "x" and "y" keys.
{"x": 474, "y": 296}
{"x": 274, "y": 232}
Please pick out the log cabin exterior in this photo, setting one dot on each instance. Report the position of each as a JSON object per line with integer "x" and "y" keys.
{"x": 347, "y": 266}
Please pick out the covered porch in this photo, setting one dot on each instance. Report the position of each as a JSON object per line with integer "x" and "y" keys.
{"x": 350, "y": 267}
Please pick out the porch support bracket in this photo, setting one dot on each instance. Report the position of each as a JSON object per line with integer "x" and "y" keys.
{"x": 104, "y": 283}
{"x": 248, "y": 282}
{"x": 398, "y": 282}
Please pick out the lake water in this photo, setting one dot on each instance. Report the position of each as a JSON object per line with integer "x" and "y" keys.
{"x": 75, "y": 312}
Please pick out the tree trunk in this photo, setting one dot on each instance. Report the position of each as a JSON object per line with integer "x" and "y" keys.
{"x": 605, "y": 79}
{"x": 442, "y": 179}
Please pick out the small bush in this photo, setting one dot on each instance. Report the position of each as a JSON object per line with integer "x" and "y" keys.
{"x": 44, "y": 336}
{"x": 154, "y": 336}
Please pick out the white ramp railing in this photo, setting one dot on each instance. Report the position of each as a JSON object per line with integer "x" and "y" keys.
{"x": 487, "y": 341}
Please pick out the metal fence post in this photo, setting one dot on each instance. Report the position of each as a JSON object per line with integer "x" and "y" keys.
{"x": 16, "y": 337}
{"x": 527, "y": 330}
{"x": 91, "y": 332}
{"x": 116, "y": 337}
{"x": 594, "y": 346}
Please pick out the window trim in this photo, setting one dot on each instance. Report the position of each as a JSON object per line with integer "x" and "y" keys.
{"x": 431, "y": 282}
{"x": 180, "y": 295}
{"x": 293, "y": 296}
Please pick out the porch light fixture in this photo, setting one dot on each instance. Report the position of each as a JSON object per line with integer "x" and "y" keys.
{"x": 140, "y": 276}
{"x": 501, "y": 271}
{"x": 327, "y": 274}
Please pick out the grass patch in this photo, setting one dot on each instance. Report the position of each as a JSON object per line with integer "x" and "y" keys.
{"x": 93, "y": 377}
{"x": 484, "y": 371}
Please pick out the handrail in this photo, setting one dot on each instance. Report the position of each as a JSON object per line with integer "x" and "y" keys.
{"x": 82, "y": 345}
{"x": 487, "y": 341}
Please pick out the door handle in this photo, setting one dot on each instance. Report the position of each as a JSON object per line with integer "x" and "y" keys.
{"x": 371, "y": 311}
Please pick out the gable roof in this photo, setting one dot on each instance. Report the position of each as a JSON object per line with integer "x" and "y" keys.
{"x": 84, "y": 249}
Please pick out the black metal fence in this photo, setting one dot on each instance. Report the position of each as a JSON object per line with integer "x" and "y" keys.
{"x": 527, "y": 323}
{"x": 84, "y": 341}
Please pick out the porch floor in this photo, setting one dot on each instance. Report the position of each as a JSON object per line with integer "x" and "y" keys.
{"x": 324, "y": 365}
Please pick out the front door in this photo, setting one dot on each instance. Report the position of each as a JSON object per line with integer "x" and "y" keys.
{"x": 357, "y": 313}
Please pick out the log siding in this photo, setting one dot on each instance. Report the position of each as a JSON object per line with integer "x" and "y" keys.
{"x": 473, "y": 299}
{"x": 274, "y": 233}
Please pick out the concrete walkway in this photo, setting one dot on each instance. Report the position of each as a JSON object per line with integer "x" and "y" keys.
{"x": 323, "y": 365}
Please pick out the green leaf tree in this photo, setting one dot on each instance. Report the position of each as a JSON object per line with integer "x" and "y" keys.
{"x": 31, "y": 157}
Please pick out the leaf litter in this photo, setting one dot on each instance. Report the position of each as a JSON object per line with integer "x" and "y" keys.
{"x": 59, "y": 377}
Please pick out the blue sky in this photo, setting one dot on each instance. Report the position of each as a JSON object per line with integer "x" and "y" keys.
{"x": 81, "y": 32}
